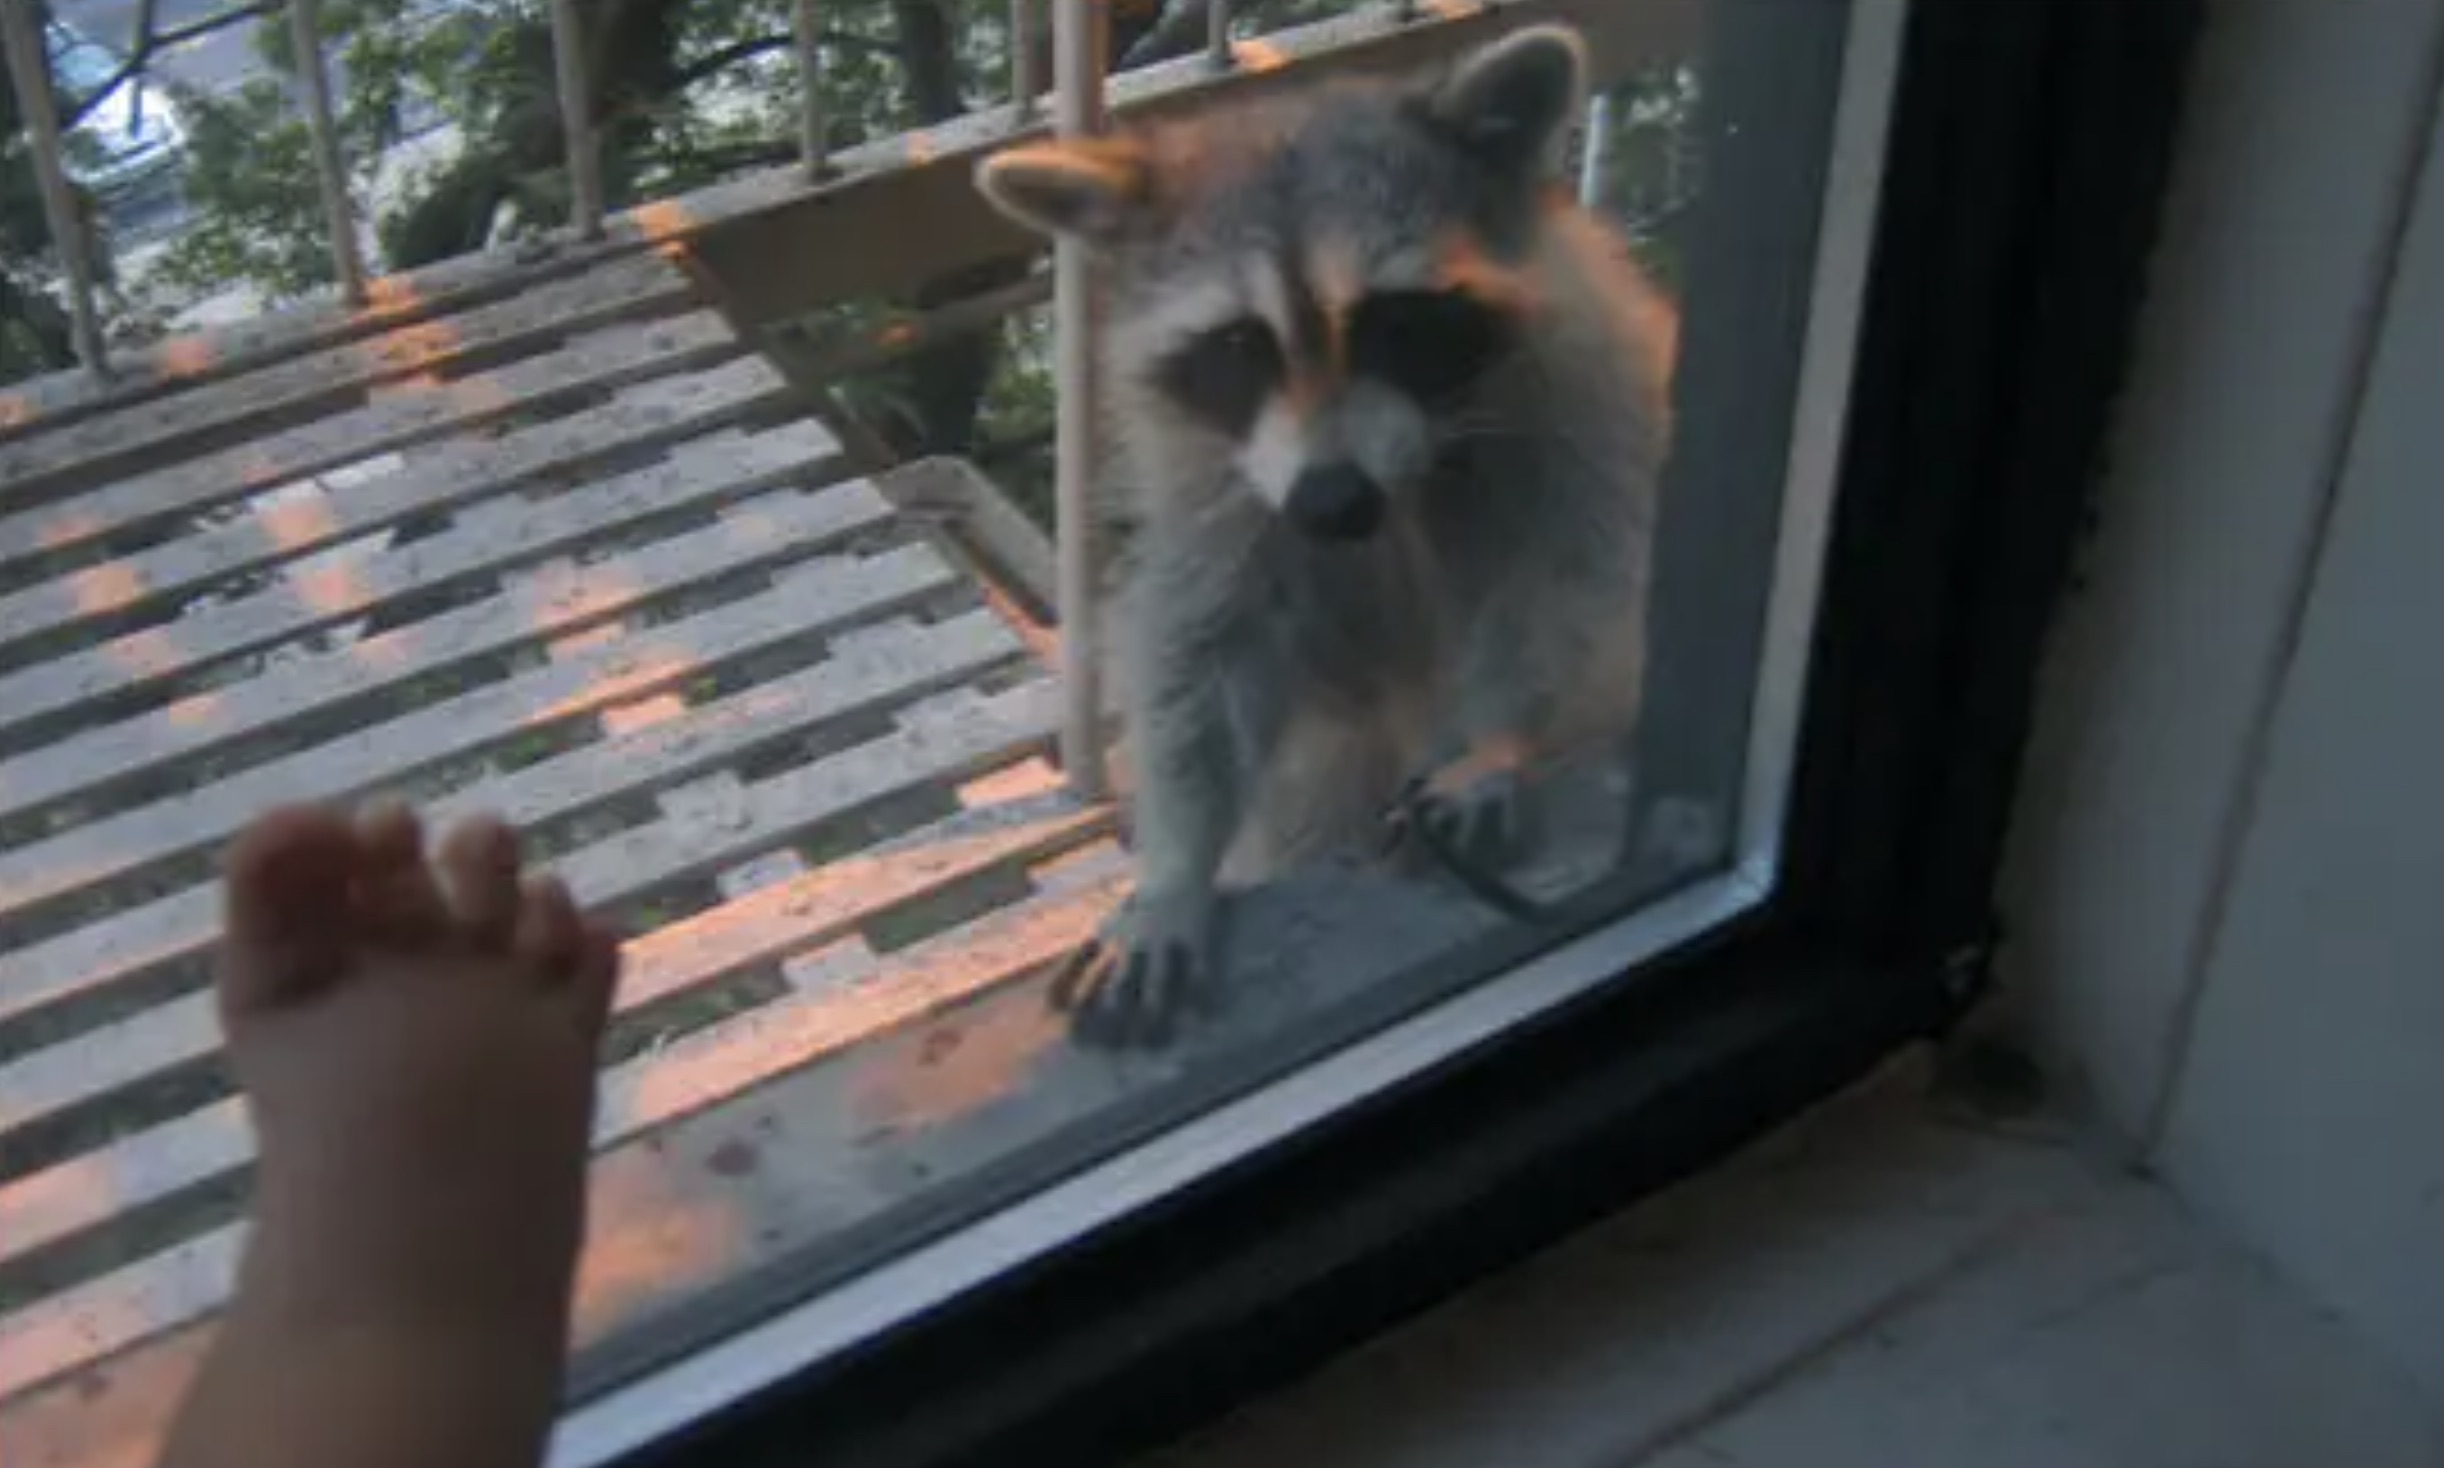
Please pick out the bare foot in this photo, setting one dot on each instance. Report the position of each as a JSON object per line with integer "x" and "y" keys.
{"x": 416, "y": 1041}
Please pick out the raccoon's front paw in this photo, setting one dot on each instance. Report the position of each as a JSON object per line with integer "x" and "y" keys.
{"x": 1153, "y": 961}
{"x": 1481, "y": 821}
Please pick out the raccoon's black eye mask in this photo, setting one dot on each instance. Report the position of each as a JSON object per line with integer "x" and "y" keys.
{"x": 1431, "y": 344}
{"x": 1223, "y": 375}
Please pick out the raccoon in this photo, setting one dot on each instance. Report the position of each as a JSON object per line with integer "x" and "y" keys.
{"x": 1387, "y": 411}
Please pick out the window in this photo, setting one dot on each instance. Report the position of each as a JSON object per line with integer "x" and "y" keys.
{"x": 858, "y": 1183}
{"x": 1848, "y": 202}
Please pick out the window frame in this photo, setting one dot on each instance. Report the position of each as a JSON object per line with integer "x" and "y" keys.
{"x": 2021, "y": 174}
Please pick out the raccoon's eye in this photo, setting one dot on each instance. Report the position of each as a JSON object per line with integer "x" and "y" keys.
{"x": 1429, "y": 344}
{"x": 1225, "y": 374}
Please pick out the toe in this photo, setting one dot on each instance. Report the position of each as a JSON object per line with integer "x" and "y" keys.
{"x": 286, "y": 901}
{"x": 1129, "y": 1010}
{"x": 551, "y": 940}
{"x": 597, "y": 979}
{"x": 1079, "y": 975}
{"x": 1154, "y": 1002}
{"x": 397, "y": 900}
{"x": 479, "y": 869}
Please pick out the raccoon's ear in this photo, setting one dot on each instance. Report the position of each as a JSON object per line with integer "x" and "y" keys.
{"x": 1088, "y": 189}
{"x": 1513, "y": 101}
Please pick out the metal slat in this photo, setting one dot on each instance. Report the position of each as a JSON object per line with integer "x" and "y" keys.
{"x": 576, "y": 120}
{"x": 1081, "y": 45}
{"x": 331, "y": 171}
{"x": 1026, "y": 86}
{"x": 814, "y": 138}
{"x": 1595, "y": 155}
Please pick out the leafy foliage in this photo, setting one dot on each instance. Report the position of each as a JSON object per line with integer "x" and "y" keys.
{"x": 250, "y": 168}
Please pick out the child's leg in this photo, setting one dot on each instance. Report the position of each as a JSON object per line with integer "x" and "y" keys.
{"x": 417, "y": 1044}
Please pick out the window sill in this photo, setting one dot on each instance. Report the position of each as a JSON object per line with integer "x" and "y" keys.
{"x": 1882, "y": 1283}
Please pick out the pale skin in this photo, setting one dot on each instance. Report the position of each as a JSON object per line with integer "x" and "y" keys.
{"x": 415, "y": 1034}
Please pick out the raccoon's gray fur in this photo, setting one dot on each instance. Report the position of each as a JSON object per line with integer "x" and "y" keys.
{"x": 1388, "y": 411}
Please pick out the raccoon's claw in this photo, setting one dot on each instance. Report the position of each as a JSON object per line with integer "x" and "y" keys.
{"x": 1129, "y": 987}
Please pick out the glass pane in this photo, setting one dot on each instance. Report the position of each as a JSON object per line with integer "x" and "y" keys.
{"x": 1414, "y": 474}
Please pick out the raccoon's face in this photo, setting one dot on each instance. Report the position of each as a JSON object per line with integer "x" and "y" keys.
{"x": 1313, "y": 293}
{"x": 1322, "y": 380}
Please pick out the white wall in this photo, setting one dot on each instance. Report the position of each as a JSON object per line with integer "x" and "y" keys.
{"x": 2227, "y": 885}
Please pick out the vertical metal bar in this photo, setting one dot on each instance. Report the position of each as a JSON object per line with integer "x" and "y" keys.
{"x": 1217, "y": 34}
{"x": 30, "y": 73}
{"x": 576, "y": 120}
{"x": 1595, "y": 153}
{"x": 1081, "y": 37}
{"x": 814, "y": 140}
{"x": 338, "y": 211}
{"x": 1025, "y": 85}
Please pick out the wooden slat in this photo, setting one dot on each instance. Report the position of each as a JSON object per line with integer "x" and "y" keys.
{"x": 946, "y": 738}
{"x": 486, "y": 539}
{"x": 637, "y": 286}
{"x": 784, "y": 524}
{"x": 868, "y": 670}
{"x": 446, "y": 476}
{"x": 181, "y": 926}
{"x": 193, "y": 360}
{"x": 1014, "y": 553}
{"x": 140, "y": 937}
{"x": 414, "y": 414}
{"x": 867, "y": 998}
{"x": 158, "y": 1294}
{"x": 783, "y": 250}
{"x": 793, "y": 916}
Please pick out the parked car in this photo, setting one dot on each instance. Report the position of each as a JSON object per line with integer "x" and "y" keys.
{"x": 130, "y": 141}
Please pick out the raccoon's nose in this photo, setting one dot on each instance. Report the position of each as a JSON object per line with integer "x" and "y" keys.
{"x": 1335, "y": 502}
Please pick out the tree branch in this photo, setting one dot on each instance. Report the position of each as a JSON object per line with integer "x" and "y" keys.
{"x": 1178, "y": 30}
{"x": 725, "y": 58}
{"x": 219, "y": 21}
{"x": 713, "y": 62}
{"x": 745, "y": 155}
